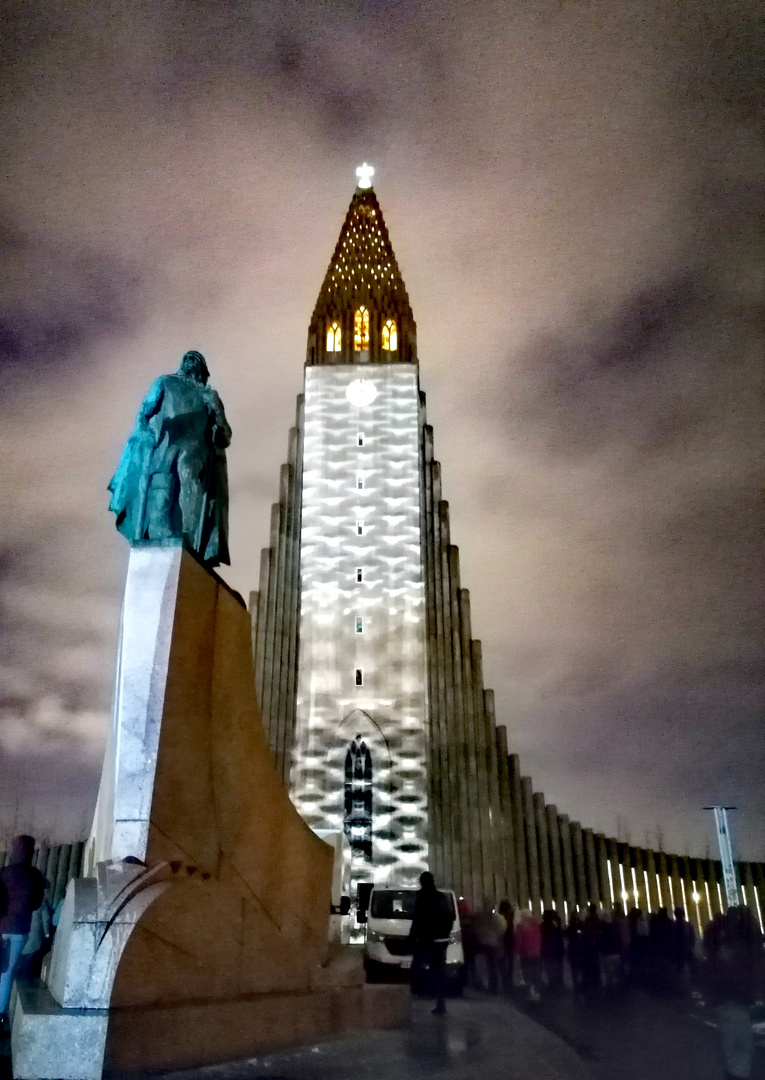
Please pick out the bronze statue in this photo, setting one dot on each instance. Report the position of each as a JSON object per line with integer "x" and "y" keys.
{"x": 171, "y": 481}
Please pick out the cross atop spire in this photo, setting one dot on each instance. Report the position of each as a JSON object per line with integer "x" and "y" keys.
{"x": 365, "y": 173}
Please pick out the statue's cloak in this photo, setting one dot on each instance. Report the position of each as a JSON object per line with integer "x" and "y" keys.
{"x": 172, "y": 480}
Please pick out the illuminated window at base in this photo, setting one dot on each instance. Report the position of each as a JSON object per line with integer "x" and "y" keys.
{"x": 359, "y": 573}
{"x": 359, "y": 677}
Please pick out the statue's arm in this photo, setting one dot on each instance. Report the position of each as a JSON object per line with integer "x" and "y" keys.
{"x": 221, "y": 429}
{"x": 152, "y": 403}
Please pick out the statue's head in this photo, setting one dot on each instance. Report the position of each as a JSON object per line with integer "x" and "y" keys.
{"x": 194, "y": 366}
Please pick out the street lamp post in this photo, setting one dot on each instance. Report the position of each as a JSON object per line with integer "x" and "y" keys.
{"x": 726, "y": 853}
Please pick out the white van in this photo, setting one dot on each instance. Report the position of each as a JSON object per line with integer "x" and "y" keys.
{"x": 387, "y": 950}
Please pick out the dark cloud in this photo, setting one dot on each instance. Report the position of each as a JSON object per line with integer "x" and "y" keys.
{"x": 58, "y": 301}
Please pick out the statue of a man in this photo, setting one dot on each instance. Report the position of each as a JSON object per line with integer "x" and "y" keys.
{"x": 171, "y": 481}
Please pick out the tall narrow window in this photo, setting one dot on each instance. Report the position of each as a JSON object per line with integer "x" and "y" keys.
{"x": 357, "y": 820}
{"x": 359, "y": 573}
{"x": 360, "y": 439}
{"x": 390, "y": 336}
{"x": 359, "y": 528}
{"x": 361, "y": 330}
{"x": 360, "y": 481}
{"x": 359, "y": 677}
{"x": 333, "y": 337}
{"x": 359, "y": 624}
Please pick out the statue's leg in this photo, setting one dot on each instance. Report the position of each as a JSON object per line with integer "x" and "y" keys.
{"x": 190, "y": 472}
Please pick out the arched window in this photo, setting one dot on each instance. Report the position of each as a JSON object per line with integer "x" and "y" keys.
{"x": 357, "y": 822}
{"x": 333, "y": 337}
{"x": 390, "y": 336}
{"x": 361, "y": 330}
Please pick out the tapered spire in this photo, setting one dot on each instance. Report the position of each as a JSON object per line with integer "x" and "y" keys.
{"x": 362, "y": 314}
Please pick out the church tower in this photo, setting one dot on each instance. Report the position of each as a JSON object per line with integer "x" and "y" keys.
{"x": 370, "y": 683}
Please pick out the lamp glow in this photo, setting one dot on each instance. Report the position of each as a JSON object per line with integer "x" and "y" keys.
{"x": 361, "y": 392}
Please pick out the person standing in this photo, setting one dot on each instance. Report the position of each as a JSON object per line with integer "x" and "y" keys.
{"x": 432, "y": 922}
{"x": 528, "y": 944}
{"x": 508, "y": 944}
{"x": 553, "y": 948}
{"x": 489, "y": 929}
{"x": 24, "y": 887}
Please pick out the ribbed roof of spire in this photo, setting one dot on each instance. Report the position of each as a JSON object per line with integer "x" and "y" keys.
{"x": 363, "y": 269}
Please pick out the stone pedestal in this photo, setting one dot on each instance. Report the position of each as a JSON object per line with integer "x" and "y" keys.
{"x": 215, "y": 945}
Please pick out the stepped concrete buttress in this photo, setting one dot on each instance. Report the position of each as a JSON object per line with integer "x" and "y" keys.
{"x": 217, "y": 946}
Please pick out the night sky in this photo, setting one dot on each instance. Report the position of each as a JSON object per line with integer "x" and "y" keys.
{"x": 573, "y": 194}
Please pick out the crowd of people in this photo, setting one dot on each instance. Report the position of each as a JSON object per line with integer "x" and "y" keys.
{"x": 609, "y": 952}
{"x": 513, "y": 949}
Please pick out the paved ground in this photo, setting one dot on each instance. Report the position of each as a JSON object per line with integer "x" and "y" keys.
{"x": 635, "y": 1036}
{"x": 479, "y": 1039}
{"x": 607, "y": 1037}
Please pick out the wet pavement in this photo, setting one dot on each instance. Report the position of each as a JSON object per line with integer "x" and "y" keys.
{"x": 480, "y": 1038}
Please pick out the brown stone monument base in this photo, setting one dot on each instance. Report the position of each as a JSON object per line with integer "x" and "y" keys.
{"x": 213, "y": 1032}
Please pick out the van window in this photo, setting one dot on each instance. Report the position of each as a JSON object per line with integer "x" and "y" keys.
{"x": 393, "y": 903}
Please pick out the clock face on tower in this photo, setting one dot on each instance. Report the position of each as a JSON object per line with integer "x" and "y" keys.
{"x": 361, "y": 392}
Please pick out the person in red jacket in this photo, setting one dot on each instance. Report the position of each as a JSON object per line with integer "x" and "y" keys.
{"x": 22, "y": 892}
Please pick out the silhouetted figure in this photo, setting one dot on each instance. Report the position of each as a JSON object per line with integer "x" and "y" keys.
{"x": 661, "y": 939}
{"x": 575, "y": 937}
{"x": 735, "y": 979}
{"x": 465, "y": 913}
{"x": 24, "y": 888}
{"x": 553, "y": 948}
{"x": 638, "y": 946}
{"x": 432, "y": 922}
{"x": 489, "y": 930}
{"x": 684, "y": 946}
{"x": 508, "y": 944}
{"x": 528, "y": 945}
{"x": 590, "y": 962}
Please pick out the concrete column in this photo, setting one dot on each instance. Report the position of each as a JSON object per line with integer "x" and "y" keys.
{"x": 540, "y": 820}
{"x": 280, "y": 643}
{"x": 447, "y": 797}
{"x": 653, "y": 892}
{"x": 675, "y": 889}
{"x": 488, "y": 783}
{"x": 456, "y": 751}
{"x": 661, "y": 860}
{"x": 259, "y": 621}
{"x": 519, "y": 830}
{"x": 477, "y": 780}
{"x": 51, "y": 869}
{"x": 290, "y": 657}
{"x": 506, "y": 806}
{"x": 593, "y": 884}
{"x": 747, "y": 878}
{"x": 438, "y": 841}
{"x": 601, "y": 856}
{"x": 62, "y": 868}
{"x": 556, "y": 863}
{"x": 532, "y": 848}
{"x": 567, "y": 851}
{"x": 485, "y": 709}
{"x": 269, "y": 629}
{"x": 579, "y": 865}
{"x": 614, "y": 864}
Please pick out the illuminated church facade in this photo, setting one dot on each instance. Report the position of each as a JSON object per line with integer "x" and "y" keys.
{"x": 370, "y": 683}
{"x": 369, "y": 678}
